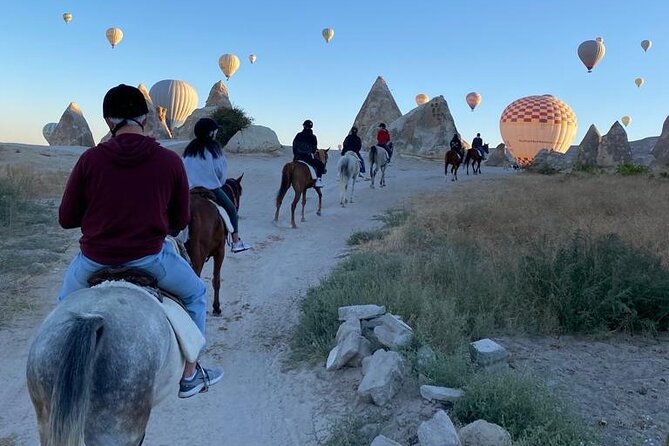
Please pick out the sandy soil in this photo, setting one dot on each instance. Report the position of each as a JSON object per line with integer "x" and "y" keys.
{"x": 260, "y": 401}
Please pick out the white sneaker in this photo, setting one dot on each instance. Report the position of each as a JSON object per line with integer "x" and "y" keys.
{"x": 240, "y": 246}
{"x": 319, "y": 183}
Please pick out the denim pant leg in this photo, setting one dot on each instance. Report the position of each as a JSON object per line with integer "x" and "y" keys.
{"x": 224, "y": 200}
{"x": 176, "y": 276}
{"x": 77, "y": 274}
{"x": 362, "y": 162}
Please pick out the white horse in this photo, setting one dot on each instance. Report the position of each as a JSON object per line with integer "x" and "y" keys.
{"x": 349, "y": 169}
{"x": 99, "y": 363}
{"x": 378, "y": 159}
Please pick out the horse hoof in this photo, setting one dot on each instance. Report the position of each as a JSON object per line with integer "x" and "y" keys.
{"x": 318, "y": 213}
{"x": 217, "y": 312}
{"x": 342, "y": 205}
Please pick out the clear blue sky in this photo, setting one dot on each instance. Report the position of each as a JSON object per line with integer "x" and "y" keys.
{"x": 502, "y": 49}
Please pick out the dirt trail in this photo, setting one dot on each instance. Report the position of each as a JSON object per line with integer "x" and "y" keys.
{"x": 256, "y": 403}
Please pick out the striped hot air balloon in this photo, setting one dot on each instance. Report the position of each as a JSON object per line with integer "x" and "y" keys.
{"x": 67, "y": 17}
{"x": 178, "y": 97}
{"x": 533, "y": 123}
{"x": 229, "y": 64}
{"x": 328, "y": 34}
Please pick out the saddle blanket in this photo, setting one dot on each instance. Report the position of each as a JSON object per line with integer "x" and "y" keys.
{"x": 190, "y": 340}
{"x": 312, "y": 171}
{"x": 183, "y": 235}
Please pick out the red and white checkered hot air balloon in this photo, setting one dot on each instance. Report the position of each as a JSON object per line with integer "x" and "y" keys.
{"x": 537, "y": 122}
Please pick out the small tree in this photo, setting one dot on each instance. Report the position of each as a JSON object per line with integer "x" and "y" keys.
{"x": 230, "y": 121}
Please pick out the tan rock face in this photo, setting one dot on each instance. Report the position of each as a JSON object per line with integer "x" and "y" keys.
{"x": 499, "y": 157}
{"x": 587, "y": 150}
{"x": 186, "y": 131}
{"x": 661, "y": 149}
{"x": 379, "y": 106}
{"x": 218, "y": 96}
{"x": 614, "y": 148}
{"x": 425, "y": 131}
{"x": 72, "y": 129}
{"x": 254, "y": 139}
{"x": 162, "y": 131}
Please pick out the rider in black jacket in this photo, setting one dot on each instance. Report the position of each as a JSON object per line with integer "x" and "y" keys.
{"x": 304, "y": 147}
{"x": 353, "y": 143}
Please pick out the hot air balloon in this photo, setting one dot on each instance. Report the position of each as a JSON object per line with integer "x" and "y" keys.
{"x": 473, "y": 100}
{"x": 626, "y": 120}
{"x": 252, "y": 58}
{"x": 646, "y": 44}
{"x": 639, "y": 81}
{"x": 537, "y": 122}
{"x": 339, "y": 146}
{"x": 48, "y": 130}
{"x": 229, "y": 64}
{"x": 178, "y": 97}
{"x": 114, "y": 35}
{"x": 591, "y": 52}
{"x": 599, "y": 39}
{"x": 328, "y": 34}
{"x": 67, "y": 17}
{"x": 422, "y": 98}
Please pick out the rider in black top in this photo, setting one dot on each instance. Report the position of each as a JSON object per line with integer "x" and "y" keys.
{"x": 477, "y": 144}
{"x": 304, "y": 147}
{"x": 354, "y": 144}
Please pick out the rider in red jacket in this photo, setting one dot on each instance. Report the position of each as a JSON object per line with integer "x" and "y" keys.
{"x": 383, "y": 140}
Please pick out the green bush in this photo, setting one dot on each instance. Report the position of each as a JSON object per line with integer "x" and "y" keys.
{"x": 230, "y": 121}
{"x": 598, "y": 284}
{"x": 628, "y": 169}
{"x": 362, "y": 237}
{"x": 525, "y": 408}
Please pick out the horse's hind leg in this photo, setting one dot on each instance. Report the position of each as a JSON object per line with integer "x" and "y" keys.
{"x": 320, "y": 203}
{"x": 293, "y": 205}
{"x": 350, "y": 200}
{"x": 304, "y": 203}
{"x": 382, "y": 183}
{"x": 216, "y": 279}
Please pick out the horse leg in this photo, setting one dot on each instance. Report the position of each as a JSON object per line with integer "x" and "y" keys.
{"x": 293, "y": 205}
{"x": 304, "y": 203}
{"x": 372, "y": 174}
{"x": 320, "y": 201}
{"x": 216, "y": 279}
{"x": 350, "y": 200}
{"x": 382, "y": 183}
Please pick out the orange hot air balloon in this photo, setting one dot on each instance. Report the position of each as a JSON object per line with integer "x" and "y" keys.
{"x": 591, "y": 52}
{"x": 537, "y": 122}
{"x": 422, "y": 98}
{"x": 229, "y": 64}
{"x": 473, "y": 100}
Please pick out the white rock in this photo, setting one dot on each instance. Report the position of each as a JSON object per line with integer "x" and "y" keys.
{"x": 482, "y": 433}
{"x": 332, "y": 356}
{"x": 486, "y": 352}
{"x": 360, "y": 312}
{"x": 72, "y": 129}
{"x": 438, "y": 431}
{"x": 383, "y": 377}
{"x": 254, "y": 139}
{"x": 347, "y": 348}
{"x": 366, "y": 362}
{"x": 393, "y": 332}
{"x": 364, "y": 351}
{"x": 384, "y": 441}
{"x": 218, "y": 96}
{"x": 379, "y": 106}
{"x": 435, "y": 393}
{"x": 348, "y": 326}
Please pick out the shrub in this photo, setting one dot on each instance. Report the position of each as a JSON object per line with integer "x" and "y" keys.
{"x": 230, "y": 121}
{"x": 627, "y": 169}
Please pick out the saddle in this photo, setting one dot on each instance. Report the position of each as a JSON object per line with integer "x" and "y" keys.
{"x": 312, "y": 171}
{"x": 187, "y": 334}
{"x": 209, "y": 195}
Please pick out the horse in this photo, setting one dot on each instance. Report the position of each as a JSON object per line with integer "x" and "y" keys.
{"x": 349, "y": 169}
{"x": 474, "y": 156}
{"x": 207, "y": 234}
{"x": 101, "y": 360}
{"x": 297, "y": 174}
{"x": 378, "y": 159}
{"x": 453, "y": 158}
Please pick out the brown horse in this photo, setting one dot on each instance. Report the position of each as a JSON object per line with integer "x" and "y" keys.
{"x": 474, "y": 157}
{"x": 207, "y": 233}
{"x": 296, "y": 174}
{"x": 453, "y": 158}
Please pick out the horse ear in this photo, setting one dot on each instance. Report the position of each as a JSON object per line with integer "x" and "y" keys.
{"x": 239, "y": 180}
{"x": 327, "y": 150}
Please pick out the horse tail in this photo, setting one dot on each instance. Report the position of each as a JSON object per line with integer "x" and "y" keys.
{"x": 372, "y": 157}
{"x": 71, "y": 391}
{"x": 286, "y": 178}
{"x": 467, "y": 157}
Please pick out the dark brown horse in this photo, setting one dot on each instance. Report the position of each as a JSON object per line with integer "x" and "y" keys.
{"x": 474, "y": 157}
{"x": 453, "y": 158}
{"x": 296, "y": 174}
{"x": 207, "y": 234}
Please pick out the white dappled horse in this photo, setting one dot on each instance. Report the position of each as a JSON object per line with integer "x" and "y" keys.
{"x": 349, "y": 169}
{"x": 378, "y": 160}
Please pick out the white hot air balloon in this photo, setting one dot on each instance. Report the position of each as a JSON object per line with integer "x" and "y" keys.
{"x": 178, "y": 97}
{"x": 67, "y": 17}
{"x": 229, "y": 64}
{"x": 252, "y": 58}
{"x": 328, "y": 34}
{"x": 114, "y": 36}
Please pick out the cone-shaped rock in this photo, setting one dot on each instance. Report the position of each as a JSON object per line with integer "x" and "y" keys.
{"x": 614, "y": 148}
{"x": 661, "y": 149}
{"x": 425, "y": 131}
{"x": 72, "y": 129}
{"x": 379, "y": 106}
{"x": 587, "y": 150}
{"x": 218, "y": 96}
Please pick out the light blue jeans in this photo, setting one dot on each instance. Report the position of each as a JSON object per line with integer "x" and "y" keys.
{"x": 172, "y": 272}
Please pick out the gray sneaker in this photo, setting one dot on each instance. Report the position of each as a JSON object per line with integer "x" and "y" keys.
{"x": 203, "y": 379}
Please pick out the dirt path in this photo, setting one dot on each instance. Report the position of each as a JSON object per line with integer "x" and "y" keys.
{"x": 257, "y": 403}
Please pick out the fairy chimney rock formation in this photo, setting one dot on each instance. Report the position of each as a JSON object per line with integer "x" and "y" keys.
{"x": 425, "y": 131}
{"x": 587, "y": 150}
{"x": 162, "y": 131}
{"x": 218, "y": 96}
{"x": 661, "y": 149}
{"x": 72, "y": 129}
{"x": 615, "y": 148}
{"x": 379, "y": 106}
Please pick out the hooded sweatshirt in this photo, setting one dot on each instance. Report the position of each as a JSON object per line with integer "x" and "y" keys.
{"x": 126, "y": 194}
